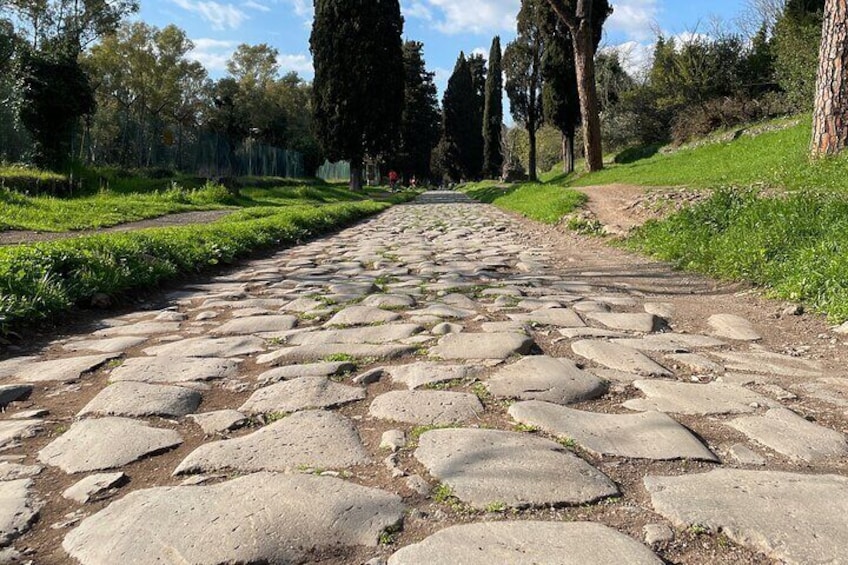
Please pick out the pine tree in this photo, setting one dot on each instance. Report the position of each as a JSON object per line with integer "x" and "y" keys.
{"x": 493, "y": 114}
{"x": 830, "y": 136}
{"x": 420, "y": 128}
{"x": 358, "y": 91}
{"x": 477, "y": 66}
{"x": 522, "y": 63}
{"x": 460, "y": 132}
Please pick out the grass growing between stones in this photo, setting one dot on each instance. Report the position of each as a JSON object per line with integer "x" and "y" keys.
{"x": 796, "y": 246}
{"x": 42, "y": 280}
{"x": 545, "y": 203}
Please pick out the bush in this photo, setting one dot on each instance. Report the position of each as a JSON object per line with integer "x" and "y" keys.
{"x": 33, "y": 181}
{"x": 721, "y": 113}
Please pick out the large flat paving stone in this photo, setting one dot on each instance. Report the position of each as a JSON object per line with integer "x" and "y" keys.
{"x": 256, "y": 324}
{"x": 301, "y": 394}
{"x": 545, "y": 378}
{"x": 619, "y": 357}
{"x": 733, "y": 327}
{"x": 18, "y": 509}
{"x": 362, "y": 316}
{"x": 324, "y": 369}
{"x": 649, "y": 435}
{"x": 13, "y": 430}
{"x": 482, "y": 346}
{"x": 106, "y": 443}
{"x": 65, "y": 370}
{"x": 312, "y": 353}
{"x": 416, "y": 375}
{"x": 764, "y": 362}
{"x": 484, "y": 467}
{"x": 641, "y": 322}
{"x": 671, "y": 342}
{"x": 174, "y": 370}
{"x": 260, "y": 518}
{"x": 791, "y": 435}
{"x": 209, "y": 347}
{"x": 107, "y": 345}
{"x": 140, "y": 329}
{"x": 368, "y": 334}
{"x": 696, "y": 399}
{"x": 559, "y": 317}
{"x": 306, "y": 439}
{"x": 530, "y": 542}
{"x": 138, "y": 400}
{"x": 794, "y": 518}
{"x": 425, "y": 407}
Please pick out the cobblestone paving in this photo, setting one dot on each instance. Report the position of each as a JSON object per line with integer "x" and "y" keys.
{"x": 425, "y": 387}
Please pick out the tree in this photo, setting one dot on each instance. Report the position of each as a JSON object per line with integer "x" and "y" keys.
{"x": 577, "y": 15}
{"x": 477, "y": 66}
{"x": 419, "y": 130}
{"x": 493, "y": 114}
{"x": 461, "y": 136}
{"x": 797, "y": 38}
{"x": 522, "y": 63}
{"x": 358, "y": 88}
{"x": 830, "y": 120}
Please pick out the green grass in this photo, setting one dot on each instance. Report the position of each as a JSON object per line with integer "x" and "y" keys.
{"x": 776, "y": 159}
{"x": 545, "y": 203}
{"x": 42, "y": 280}
{"x": 795, "y": 246}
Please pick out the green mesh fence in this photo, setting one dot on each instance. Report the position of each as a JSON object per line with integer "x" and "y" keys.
{"x": 334, "y": 171}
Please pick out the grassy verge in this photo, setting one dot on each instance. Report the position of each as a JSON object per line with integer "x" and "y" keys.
{"x": 42, "y": 280}
{"x": 775, "y": 159}
{"x": 541, "y": 202}
{"x": 795, "y": 246}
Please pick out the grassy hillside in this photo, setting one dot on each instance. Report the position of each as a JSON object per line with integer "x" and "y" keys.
{"x": 775, "y": 159}
{"x": 543, "y": 202}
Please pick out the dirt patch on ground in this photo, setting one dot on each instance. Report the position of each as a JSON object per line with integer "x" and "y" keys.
{"x": 622, "y": 207}
{"x": 187, "y": 218}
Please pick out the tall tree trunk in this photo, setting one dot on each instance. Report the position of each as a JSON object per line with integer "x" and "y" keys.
{"x": 356, "y": 175}
{"x": 568, "y": 152}
{"x": 830, "y": 120}
{"x": 584, "y": 59}
{"x": 531, "y": 131}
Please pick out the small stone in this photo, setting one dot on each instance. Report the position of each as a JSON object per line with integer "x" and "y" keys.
{"x": 656, "y": 534}
{"x": 393, "y": 440}
{"x": 446, "y": 328}
{"x": 369, "y": 377}
{"x": 12, "y": 393}
{"x": 93, "y": 487}
{"x": 733, "y": 327}
{"x": 418, "y": 485}
{"x": 219, "y": 421}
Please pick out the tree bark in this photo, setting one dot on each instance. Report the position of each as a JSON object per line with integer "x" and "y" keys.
{"x": 830, "y": 119}
{"x": 568, "y": 152}
{"x": 356, "y": 175}
{"x": 531, "y": 164}
{"x": 579, "y": 23}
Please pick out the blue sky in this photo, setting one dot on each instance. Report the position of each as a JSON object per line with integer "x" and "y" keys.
{"x": 445, "y": 26}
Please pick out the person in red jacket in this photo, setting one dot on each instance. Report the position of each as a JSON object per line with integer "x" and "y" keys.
{"x": 393, "y": 179}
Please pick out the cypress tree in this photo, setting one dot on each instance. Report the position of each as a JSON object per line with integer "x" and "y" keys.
{"x": 358, "y": 90}
{"x": 477, "y": 66}
{"x": 493, "y": 114}
{"x": 460, "y": 124}
{"x": 420, "y": 128}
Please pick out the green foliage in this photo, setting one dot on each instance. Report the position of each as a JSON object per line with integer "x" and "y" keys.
{"x": 461, "y": 149}
{"x": 493, "y": 114}
{"x": 358, "y": 91}
{"x": 420, "y": 127}
{"x": 546, "y": 203}
{"x": 797, "y": 38}
{"x": 772, "y": 241}
{"x": 42, "y": 280}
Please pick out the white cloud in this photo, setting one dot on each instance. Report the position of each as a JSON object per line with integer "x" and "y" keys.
{"x": 635, "y": 57}
{"x": 301, "y": 64}
{"x": 221, "y": 16}
{"x": 636, "y": 19}
{"x": 303, "y": 8}
{"x": 474, "y": 16}
{"x": 417, "y": 9}
{"x": 213, "y": 54}
{"x": 482, "y": 51}
{"x": 256, "y": 6}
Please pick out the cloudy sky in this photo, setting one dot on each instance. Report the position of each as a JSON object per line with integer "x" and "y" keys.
{"x": 445, "y": 26}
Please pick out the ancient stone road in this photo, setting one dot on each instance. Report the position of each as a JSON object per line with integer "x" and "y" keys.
{"x": 427, "y": 388}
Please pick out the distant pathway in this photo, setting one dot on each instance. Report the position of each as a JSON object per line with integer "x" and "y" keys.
{"x": 14, "y": 237}
{"x": 443, "y": 383}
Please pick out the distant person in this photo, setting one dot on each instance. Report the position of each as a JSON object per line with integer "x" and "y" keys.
{"x": 413, "y": 183}
{"x": 393, "y": 179}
